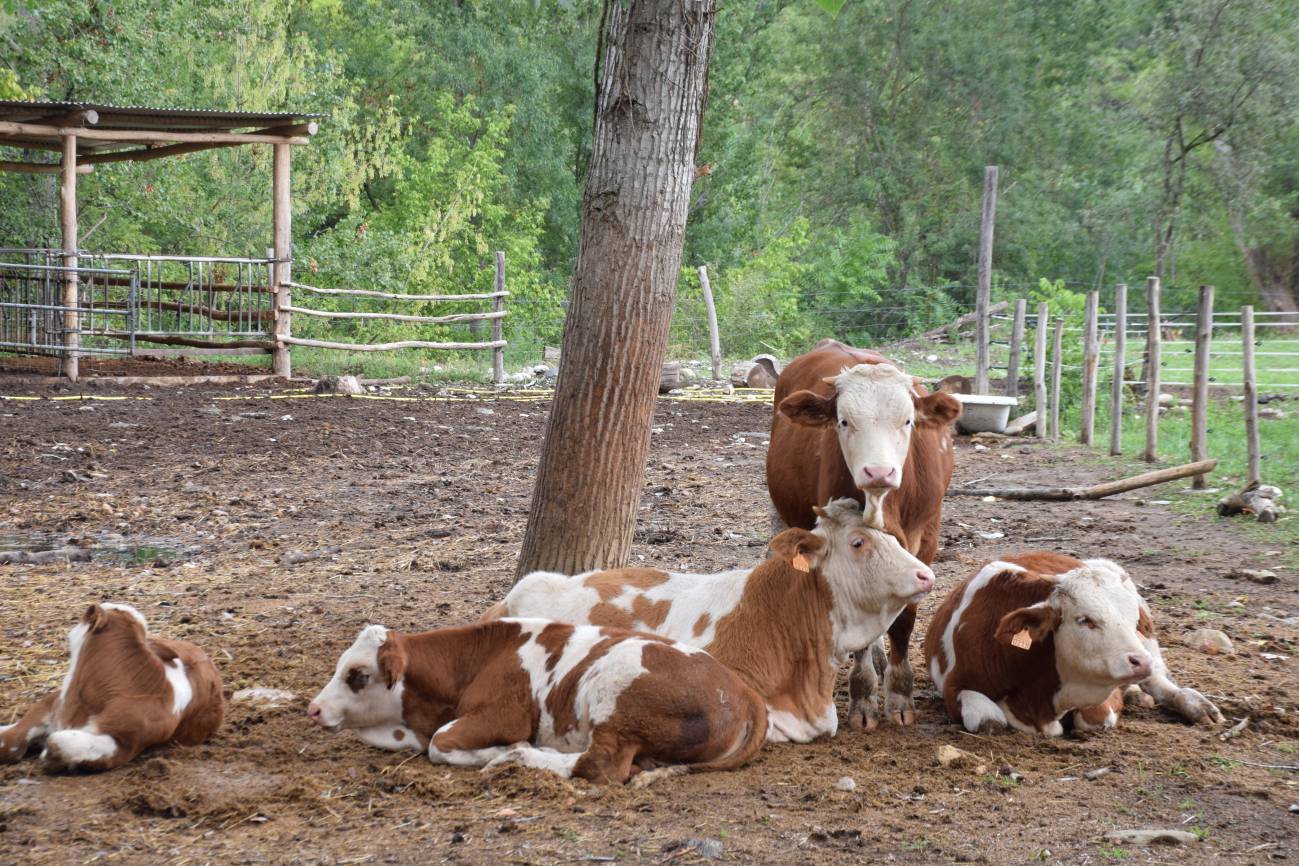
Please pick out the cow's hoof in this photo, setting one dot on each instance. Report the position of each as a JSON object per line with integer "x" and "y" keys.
{"x": 1134, "y": 697}
{"x": 990, "y": 726}
{"x": 903, "y": 717}
{"x": 649, "y": 777}
{"x": 1197, "y": 709}
{"x": 863, "y": 715}
{"x": 900, "y": 709}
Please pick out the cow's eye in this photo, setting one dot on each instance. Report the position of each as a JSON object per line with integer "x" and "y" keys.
{"x": 843, "y": 422}
{"x": 357, "y": 679}
{"x": 858, "y": 542}
{"x": 910, "y": 421}
{"x": 1087, "y": 621}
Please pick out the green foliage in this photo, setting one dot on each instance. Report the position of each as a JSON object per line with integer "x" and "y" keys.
{"x": 1069, "y": 306}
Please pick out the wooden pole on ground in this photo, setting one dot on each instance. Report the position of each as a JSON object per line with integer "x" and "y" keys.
{"x": 1016, "y": 347}
{"x": 1039, "y": 370}
{"x": 1057, "y": 359}
{"x": 1200, "y": 389}
{"x": 68, "y": 222}
{"x": 281, "y": 364}
{"x": 714, "y": 339}
{"x": 1251, "y": 391}
{"x": 1091, "y": 359}
{"x": 1120, "y": 367}
{"x": 1095, "y": 491}
{"x": 986, "y": 222}
{"x": 1152, "y": 369}
{"x": 498, "y": 324}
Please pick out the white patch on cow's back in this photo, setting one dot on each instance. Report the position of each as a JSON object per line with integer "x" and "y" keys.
{"x": 127, "y": 609}
{"x": 76, "y": 640}
{"x": 970, "y": 590}
{"x": 182, "y": 691}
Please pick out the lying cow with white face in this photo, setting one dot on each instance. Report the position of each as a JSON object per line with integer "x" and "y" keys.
{"x": 124, "y": 692}
{"x": 785, "y": 626}
{"x": 596, "y": 703}
{"x": 1033, "y": 638}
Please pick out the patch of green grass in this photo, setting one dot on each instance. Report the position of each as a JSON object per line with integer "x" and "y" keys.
{"x": 1187, "y": 804}
{"x": 1113, "y": 852}
{"x": 1180, "y": 770}
{"x": 1201, "y": 832}
{"x": 916, "y": 844}
{"x": 1222, "y": 762}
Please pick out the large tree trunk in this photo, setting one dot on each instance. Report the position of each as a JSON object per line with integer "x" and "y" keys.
{"x": 649, "y": 106}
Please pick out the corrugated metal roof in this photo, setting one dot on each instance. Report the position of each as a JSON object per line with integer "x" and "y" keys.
{"x": 139, "y": 116}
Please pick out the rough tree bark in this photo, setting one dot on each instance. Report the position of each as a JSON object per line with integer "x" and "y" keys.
{"x": 652, "y": 86}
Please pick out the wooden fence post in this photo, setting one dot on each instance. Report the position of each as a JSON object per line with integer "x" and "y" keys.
{"x": 71, "y": 288}
{"x": 1152, "y": 369}
{"x": 1039, "y": 371}
{"x": 1200, "y": 384}
{"x": 982, "y": 322}
{"x": 1251, "y": 391}
{"x": 282, "y": 214}
{"x": 1091, "y": 359}
{"x": 498, "y": 324}
{"x": 1016, "y": 347}
{"x": 1120, "y": 367}
{"x": 714, "y": 339}
{"x": 1057, "y": 351}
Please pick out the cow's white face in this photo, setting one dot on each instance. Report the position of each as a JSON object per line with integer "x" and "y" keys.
{"x": 360, "y": 694}
{"x": 1095, "y": 614}
{"x": 867, "y": 569}
{"x": 875, "y": 410}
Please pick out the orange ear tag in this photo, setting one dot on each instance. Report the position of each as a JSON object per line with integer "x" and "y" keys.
{"x": 1022, "y": 639}
{"x": 800, "y": 562}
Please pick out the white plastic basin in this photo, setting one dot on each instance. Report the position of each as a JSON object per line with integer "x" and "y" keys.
{"x": 981, "y": 413}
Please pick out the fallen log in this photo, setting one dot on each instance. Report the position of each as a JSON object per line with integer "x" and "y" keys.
{"x": 957, "y": 323}
{"x": 1095, "y": 491}
{"x": 44, "y": 557}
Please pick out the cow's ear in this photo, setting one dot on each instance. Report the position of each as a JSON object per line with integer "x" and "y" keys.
{"x": 95, "y": 618}
{"x": 809, "y": 409}
{"x": 392, "y": 660}
{"x": 1145, "y": 625}
{"x": 1039, "y": 621}
{"x": 799, "y": 548}
{"x": 937, "y": 410}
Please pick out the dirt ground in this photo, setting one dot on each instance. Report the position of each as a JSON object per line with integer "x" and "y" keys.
{"x": 191, "y": 497}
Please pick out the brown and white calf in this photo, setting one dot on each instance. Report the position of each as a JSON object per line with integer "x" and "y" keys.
{"x": 1033, "y": 638}
{"x": 849, "y": 424}
{"x": 125, "y": 691}
{"x": 785, "y": 626}
{"x": 596, "y": 703}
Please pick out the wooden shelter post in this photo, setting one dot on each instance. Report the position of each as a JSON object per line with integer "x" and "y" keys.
{"x": 281, "y": 364}
{"x": 68, "y": 221}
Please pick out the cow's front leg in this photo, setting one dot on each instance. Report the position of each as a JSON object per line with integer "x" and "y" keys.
{"x": 28, "y": 732}
{"x": 899, "y": 678}
{"x": 1184, "y": 702}
{"x": 863, "y": 687}
{"x": 473, "y": 741}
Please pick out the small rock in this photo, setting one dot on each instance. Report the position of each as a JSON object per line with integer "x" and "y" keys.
{"x": 1010, "y": 773}
{"x": 1167, "y": 399}
{"x": 339, "y": 385}
{"x": 845, "y": 783}
{"x": 950, "y": 756}
{"x": 1269, "y": 412}
{"x": 263, "y": 696}
{"x": 1210, "y": 641}
{"x": 1151, "y": 837}
{"x": 1093, "y": 775}
{"x": 979, "y": 447}
{"x": 1254, "y": 575}
{"x": 709, "y": 849}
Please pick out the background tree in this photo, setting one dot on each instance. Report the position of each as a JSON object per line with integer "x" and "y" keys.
{"x": 653, "y": 78}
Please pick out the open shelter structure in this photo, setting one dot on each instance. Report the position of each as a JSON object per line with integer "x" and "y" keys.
{"x": 70, "y": 303}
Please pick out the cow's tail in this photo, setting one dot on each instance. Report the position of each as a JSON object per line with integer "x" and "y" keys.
{"x": 496, "y": 611}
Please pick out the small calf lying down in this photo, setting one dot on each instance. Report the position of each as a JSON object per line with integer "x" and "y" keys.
{"x": 1034, "y": 638}
{"x": 124, "y": 692}
{"x": 784, "y": 626}
{"x": 597, "y": 703}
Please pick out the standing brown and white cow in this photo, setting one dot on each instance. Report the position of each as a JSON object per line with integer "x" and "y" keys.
{"x": 596, "y": 703}
{"x": 124, "y": 692}
{"x": 1037, "y": 637}
{"x": 849, "y": 424}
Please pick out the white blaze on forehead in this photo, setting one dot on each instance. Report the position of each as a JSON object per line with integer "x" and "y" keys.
{"x": 877, "y": 402}
{"x": 127, "y": 609}
{"x": 1101, "y": 590}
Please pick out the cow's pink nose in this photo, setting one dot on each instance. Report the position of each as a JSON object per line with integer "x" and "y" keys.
{"x": 313, "y": 712}
{"x": 880, "y": 476}
{"x": 1140, "y": 664}
{"x": 925, "y": 578}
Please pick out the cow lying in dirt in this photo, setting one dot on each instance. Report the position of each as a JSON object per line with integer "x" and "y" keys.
{"x": 1034, "y": 638}
{"x": 785, "y": 626}
{"x": 124, "y": 692}
{"x": 597, "y": 703}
